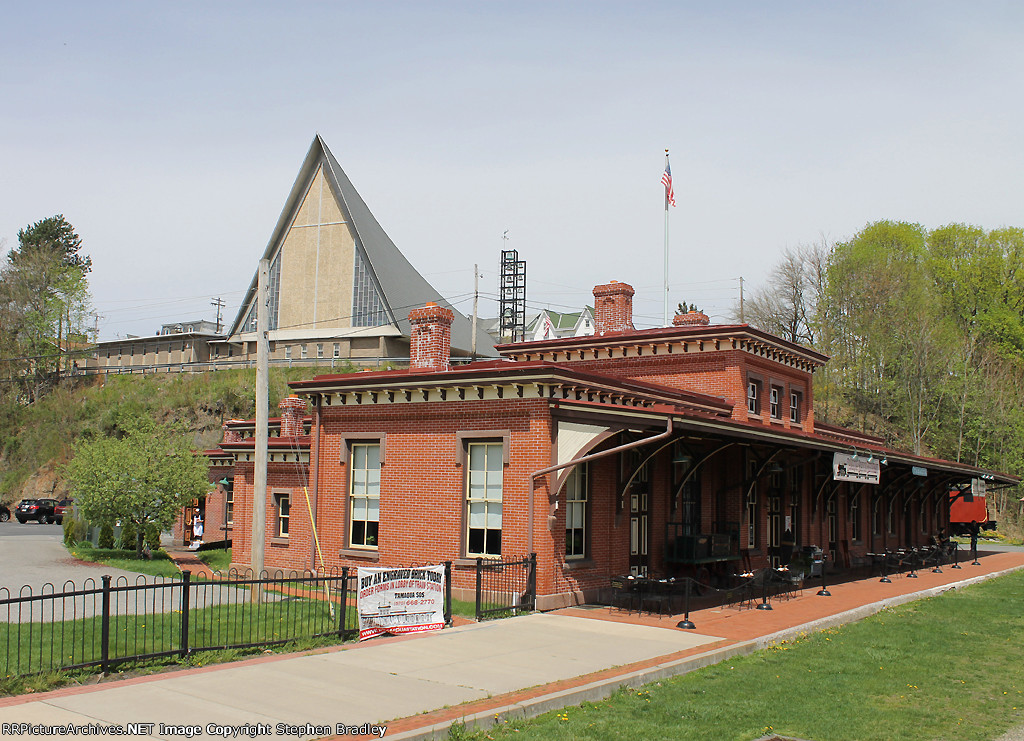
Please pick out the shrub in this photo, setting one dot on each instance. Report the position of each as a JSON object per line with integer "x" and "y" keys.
{"x": 74, "y": 528}
{"x": 106, "y": 536}
{"x": 127, "y": 540}
{"x": 152, "y": 536}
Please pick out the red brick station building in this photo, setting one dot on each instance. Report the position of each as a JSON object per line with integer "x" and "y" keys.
{"x": 655, "y": 451}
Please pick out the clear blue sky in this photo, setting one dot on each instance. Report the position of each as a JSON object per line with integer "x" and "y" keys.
{"x": 169, "y": 134}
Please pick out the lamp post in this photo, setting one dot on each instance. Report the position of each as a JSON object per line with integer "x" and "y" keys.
{"x": 686, "y": 623}
{"x": 913, "y": 564}
{"x": 765, "y": 604}
{"x": 823, "y": 592}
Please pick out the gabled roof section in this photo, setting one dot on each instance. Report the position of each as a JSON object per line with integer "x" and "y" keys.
{"x": 399, "y": 284}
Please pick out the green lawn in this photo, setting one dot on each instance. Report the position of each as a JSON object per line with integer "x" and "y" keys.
{"x": 943, "y": 668}
{"x": 33, "y": 647}
{"x": 217, "y": 560}
{"x": 160, "y": 565}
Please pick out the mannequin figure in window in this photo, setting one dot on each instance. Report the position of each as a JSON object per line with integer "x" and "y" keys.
{"x": 197, "y": 531}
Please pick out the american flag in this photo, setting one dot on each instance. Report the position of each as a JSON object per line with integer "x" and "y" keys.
{"x": 666, "y": 180}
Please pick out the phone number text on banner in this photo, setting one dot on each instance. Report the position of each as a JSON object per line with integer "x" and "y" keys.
{"x": 400, "y": 600}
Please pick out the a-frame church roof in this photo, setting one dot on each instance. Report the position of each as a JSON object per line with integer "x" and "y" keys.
{"x": 335, "y": 271}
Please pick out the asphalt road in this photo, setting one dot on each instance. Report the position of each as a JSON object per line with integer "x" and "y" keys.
{"x": 33, "y": 561}
{"x": 33, "y": 555}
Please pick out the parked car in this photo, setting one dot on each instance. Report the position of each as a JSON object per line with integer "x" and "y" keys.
{"x": 36, "y": 509}
{"x": 5, "y": 514}
{"x": 62, "y": 506}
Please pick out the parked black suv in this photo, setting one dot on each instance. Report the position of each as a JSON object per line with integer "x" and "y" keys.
{"x": 36, "y": 509}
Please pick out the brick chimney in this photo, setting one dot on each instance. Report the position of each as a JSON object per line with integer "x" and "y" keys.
{"x": 430, "y": 344}
{"x": 292, "y": 410}
{"x": 231, "y": 435}
{"x": 691, "y": 319}
{"x": 613, "y": 307}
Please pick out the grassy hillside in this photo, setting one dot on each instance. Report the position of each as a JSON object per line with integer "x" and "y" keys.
{"x": 36, "y": 440}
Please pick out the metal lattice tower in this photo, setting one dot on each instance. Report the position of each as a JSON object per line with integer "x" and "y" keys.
{"x": 513, "y": 297}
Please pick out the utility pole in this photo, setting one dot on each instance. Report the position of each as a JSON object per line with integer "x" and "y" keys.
{"x": 742, "y": 319}
{"x": 259, "y": 493}
{"x": 219, "y": 304}
{"x": 96, "y": 327}
{"x": 476, "y": 299}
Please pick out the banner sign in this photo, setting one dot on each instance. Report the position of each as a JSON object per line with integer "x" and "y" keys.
{"x": 919, "y": 470}
{"x": 400, "y": 600}
{"x": 845, "y": 468}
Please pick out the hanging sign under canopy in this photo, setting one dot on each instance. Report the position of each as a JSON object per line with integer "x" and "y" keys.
{"x": 846, "y": 467}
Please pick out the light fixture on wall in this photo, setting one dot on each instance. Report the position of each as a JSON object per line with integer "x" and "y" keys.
{"x": 854, "y": 457}
{"x": 885, "y": 461}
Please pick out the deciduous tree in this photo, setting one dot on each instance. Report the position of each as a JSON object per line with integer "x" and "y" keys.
{"x": 143, "y": 475}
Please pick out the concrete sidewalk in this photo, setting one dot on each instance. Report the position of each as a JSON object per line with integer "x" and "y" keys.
{"x": 418, "y": 685}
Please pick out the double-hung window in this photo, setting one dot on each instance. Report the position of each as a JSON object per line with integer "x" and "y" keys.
{"x": 364, "y": 494}
{"x": 284, "y": 507}
{"x": 855, "y": 525}
{"x": 775, "y": 402}
{"x": 754, "y": 397}
{"x": 483, "y": 499}
{"x": 751, "y": 507}
{"x": 576, "y": 512}
{"x": 794, "y": 406}
{"x": 229, "y": 503}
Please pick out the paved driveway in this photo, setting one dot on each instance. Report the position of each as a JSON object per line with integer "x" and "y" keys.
{"x": 33, "y": 555}
{"x": 33, "y": 561}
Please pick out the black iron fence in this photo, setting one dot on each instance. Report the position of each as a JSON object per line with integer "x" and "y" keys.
{"x": 113, "y": 621}
{"x": 107, "y": 622}
{"x": 505, "y": 588}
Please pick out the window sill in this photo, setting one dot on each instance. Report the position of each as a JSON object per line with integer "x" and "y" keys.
{"x": 279, "y": 541}
{"x": 776, "y": 421}
{"x": 578, "y": 563}
{"x": 359, "y": 554}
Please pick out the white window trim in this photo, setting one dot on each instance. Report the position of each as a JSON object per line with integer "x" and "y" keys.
{"x": 487, "y": 502}
{"x": 282, "y": 518}
{"x": 774, "y": 405}
{"x": 577, "y": 495}
{"x": 352, "y": 496}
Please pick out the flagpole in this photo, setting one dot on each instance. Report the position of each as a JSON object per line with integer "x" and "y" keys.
{"x": 666, "y": 243}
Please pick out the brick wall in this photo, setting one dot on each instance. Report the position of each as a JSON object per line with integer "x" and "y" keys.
{"x": 422, "y": 499}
